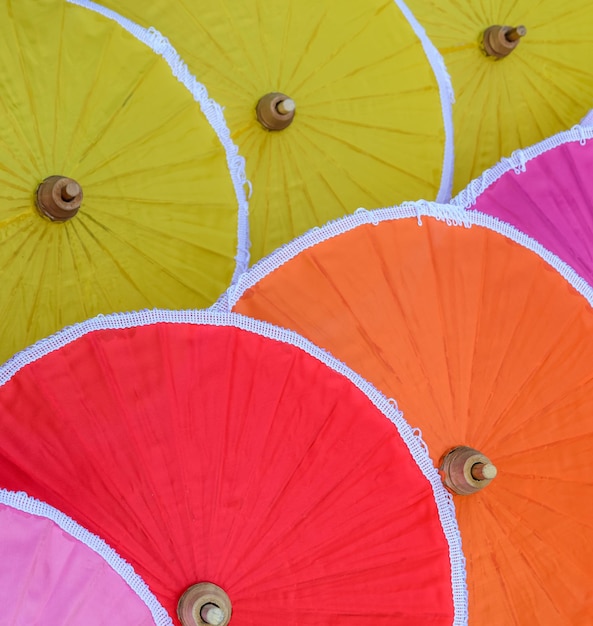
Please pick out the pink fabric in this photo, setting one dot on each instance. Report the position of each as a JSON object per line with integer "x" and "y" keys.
{"x": 552, "y": 201}
{"x": 48, "y": 577}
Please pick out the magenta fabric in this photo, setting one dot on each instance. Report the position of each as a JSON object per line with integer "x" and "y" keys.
{"x": 49, "y": 577}
{"x": 551, "y": 201}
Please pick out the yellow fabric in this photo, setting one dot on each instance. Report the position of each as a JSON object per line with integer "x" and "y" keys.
{"x": 368, "y": 129}
{"x": 544, "y": 86}
{"x": 158, "y": 223}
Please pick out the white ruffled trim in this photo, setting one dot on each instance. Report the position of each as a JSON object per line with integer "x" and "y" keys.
{"x": 452, "y": 215}
{"x": 519, "y": 159}
{"x": 23, "y": 502}
{"x": 388, "y": 407}
{"x": 211, "y": 110}
{"x": 439, "y": 68}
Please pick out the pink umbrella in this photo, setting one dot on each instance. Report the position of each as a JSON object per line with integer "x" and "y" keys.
{"x": 54, "y": 571}
{"x": 546, "y": 191}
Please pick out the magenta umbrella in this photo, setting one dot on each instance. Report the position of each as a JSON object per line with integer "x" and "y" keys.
{"x": 546, "y": 191}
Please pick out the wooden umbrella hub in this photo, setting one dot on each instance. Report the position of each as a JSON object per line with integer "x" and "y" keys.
{"x": 59, "y": 198}
{"x": 500, "y": 41}
{"x": 204, "y": 604}
{"x": 275, "y": 111}
{"x": 466, "y": 471}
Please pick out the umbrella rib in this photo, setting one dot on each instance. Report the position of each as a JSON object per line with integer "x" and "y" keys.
{"x": 92, "y": 143}
{"x": 33, "y": 118}
{"x": 522, "y": 388}
{"x": 495, "y": 522}
{"x": 313, "y": 32}
{"x": 355, "y": 148}
{"x": 105, "y": 249}
{"x": 147, "y": 138}
{"x": 523, "y": 554}
{"x": 130, "y": 416}
{"x": 231, "y": 34}
{"x": 141, "y": 253}
{"x": 228, "y": 543}
{"x": 58, "y": 88}
{"x": 99, "y": 69}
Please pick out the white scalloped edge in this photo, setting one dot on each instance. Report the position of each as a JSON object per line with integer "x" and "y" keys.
{"x": 452, "y": 215}
{"x": 519, "y": 159}
{"x": 23, "y": 502}
{"x": 212, "y": 111}
{"x": 412, "y": 438}
{"x": 437, "y": 63}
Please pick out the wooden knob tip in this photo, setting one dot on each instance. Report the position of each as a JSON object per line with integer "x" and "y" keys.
{"x": 489, "y": 471}
{"x": 70, "y": 191}
{"x": 212, "y": 614}
{"x": 286, "y": 106}
{"x": 484, "y": 471}
{"x": 516, "y": 33}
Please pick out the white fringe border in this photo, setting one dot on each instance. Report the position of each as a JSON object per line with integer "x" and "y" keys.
{"x": 211, "y": 110}
{"x": 412, "y": 438}
{"x": 22, "y": 502}
{"x": 447, "y": 94}
{"x": 452, "y": 215}
{"x": 519, "y": 159}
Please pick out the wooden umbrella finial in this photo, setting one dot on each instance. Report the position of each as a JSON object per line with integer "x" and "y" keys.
{"x": 500, "y": 41}
{"x": 59, "y": 198}
{"x": 466, "y": 471}
{"x": 204, "y": 604}
{"x": 275, "y": 111}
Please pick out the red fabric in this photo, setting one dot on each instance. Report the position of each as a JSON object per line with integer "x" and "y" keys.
{"x": 213, "y": 454}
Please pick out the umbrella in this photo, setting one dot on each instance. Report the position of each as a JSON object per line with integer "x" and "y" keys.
{"x": 138, "y": 207}
{"x": 545, "y": 191}
{"x": 365, "y": 94}
{"x": 487, "y": 343}
{"x": 234, "y": 464}
{"x": 53, "y": 571}
{"x": 521, "y": 72}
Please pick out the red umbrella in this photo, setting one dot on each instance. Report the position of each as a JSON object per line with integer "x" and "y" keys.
{"x": 216, "y": 449}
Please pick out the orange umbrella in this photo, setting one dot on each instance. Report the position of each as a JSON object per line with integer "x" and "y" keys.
{"x": 485, "y": 342}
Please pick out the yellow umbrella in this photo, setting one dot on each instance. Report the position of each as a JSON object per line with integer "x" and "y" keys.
{"x": 543, "y": 85}
{"x": 140, "y": 209}
{"x": 370, "y": 112}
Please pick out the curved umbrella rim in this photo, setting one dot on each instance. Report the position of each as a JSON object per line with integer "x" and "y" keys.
{"x": 518, "y": 161}
{"x": 447, "y": 94}
{"x": 412, "y": 438}
{"x": 452, "y": 215}
{"x": 21, "y": 501}
{"x": 211, "y": 110}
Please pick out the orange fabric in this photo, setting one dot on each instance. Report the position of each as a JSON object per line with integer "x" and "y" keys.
{"x": 482, "y": 344}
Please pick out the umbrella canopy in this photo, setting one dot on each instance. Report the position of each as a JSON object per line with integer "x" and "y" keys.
{"x": 139, "y": 209}
{"x": 485, "y": 345}
{"x": 372, "y": 123}
{"x": 543, "y": 85}
{"x": 53, "y": 571}
{"x": 547, "y": 192}
{"x": 217, "y": 450}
